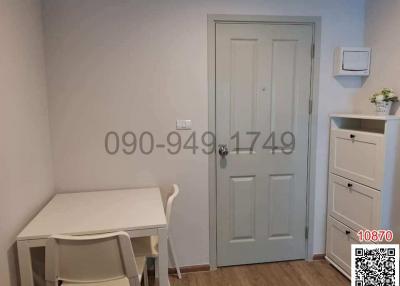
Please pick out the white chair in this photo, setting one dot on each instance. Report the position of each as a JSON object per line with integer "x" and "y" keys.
{"x": 148, "y": 246}
{"x": 93, "y": 260}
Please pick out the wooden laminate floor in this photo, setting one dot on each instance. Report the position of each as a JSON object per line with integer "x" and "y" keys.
{"x": 294, "y": 273}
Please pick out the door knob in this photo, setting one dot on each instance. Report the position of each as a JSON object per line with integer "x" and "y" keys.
{"x": 223, "y": 150}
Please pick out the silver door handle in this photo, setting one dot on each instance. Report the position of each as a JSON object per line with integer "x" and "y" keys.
{"x": 223, "y": 150}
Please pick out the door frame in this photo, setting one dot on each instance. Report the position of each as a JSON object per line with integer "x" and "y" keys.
{"x": 315, "y": 22}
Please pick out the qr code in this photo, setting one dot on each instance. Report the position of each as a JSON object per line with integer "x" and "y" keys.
{"x": 375, "y": 265}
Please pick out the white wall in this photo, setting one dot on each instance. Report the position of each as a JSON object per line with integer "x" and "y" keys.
{"x": 382, "y": 31}
{"x": 139, "y": 65}
{"x": 26, "y": 179}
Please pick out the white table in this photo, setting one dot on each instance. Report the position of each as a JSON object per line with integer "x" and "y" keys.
{"x": 139, "y": 212}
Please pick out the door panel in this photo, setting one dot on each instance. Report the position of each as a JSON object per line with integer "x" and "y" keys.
{"x": 243, "y": 111}
{"x": 283, "y": 84}
{"x": 262, "y": 85}
{"x": 280, "y": 201}
{"x": 242, "y": 206}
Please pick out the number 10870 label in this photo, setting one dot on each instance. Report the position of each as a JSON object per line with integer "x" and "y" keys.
{"x": 375, "y": 235}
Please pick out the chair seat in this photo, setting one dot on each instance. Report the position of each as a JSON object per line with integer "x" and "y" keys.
{"x": 141, "y": 264}
{"x": 145, "y": 246}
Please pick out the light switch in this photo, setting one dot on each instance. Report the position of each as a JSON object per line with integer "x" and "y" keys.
{"x": 183, "y": 124}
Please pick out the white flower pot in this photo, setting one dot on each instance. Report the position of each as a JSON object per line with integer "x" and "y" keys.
{"x": 383, "y": 107}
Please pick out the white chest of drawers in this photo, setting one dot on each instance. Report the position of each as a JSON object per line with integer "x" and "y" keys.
{"x": 364, "y": 182}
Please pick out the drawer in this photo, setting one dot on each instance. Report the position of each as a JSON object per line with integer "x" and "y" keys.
{"x": 339, "y": 239}
{"x": 353, "y": 204}
{"x": 357, "y": 155}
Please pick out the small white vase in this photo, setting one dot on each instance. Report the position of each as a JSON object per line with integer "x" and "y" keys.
{"x": 383, "y": 108}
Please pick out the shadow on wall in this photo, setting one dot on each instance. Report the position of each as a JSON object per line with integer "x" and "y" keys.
{"x": 395, "y": 108}
{"x": 349, "y": 82}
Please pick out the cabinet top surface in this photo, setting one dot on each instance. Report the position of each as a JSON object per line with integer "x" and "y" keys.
{"x": 364, "y": 116}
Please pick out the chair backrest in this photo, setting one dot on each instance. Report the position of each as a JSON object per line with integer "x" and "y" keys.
{"x": 170, "y": 201}
{"x": 90, "y": 258}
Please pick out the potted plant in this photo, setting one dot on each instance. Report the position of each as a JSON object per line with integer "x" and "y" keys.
{"x": 383, "y": 101}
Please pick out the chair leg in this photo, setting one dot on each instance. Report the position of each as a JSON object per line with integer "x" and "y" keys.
{"x": 145, "y": 275}
{"x": 173, "y": 256}
{"x": 156, "y": 267}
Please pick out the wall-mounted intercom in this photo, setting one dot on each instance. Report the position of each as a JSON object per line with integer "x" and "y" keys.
{"x": 352, "y": 61}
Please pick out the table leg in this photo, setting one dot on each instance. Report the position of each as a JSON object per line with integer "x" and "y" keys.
{"x": 25, "y": 263}
{"x": 163, "y": 257}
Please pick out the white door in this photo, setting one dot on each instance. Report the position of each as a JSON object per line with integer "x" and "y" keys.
{"x": 263, "y": 79}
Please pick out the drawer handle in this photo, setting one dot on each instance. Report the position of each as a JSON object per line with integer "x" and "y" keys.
{"x": 347, "y": 232}
{"x": 352, "y": 136}
{"x": 349, "y": 185}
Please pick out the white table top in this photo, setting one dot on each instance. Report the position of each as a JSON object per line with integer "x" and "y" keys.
{"x": 98, "y": 212}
